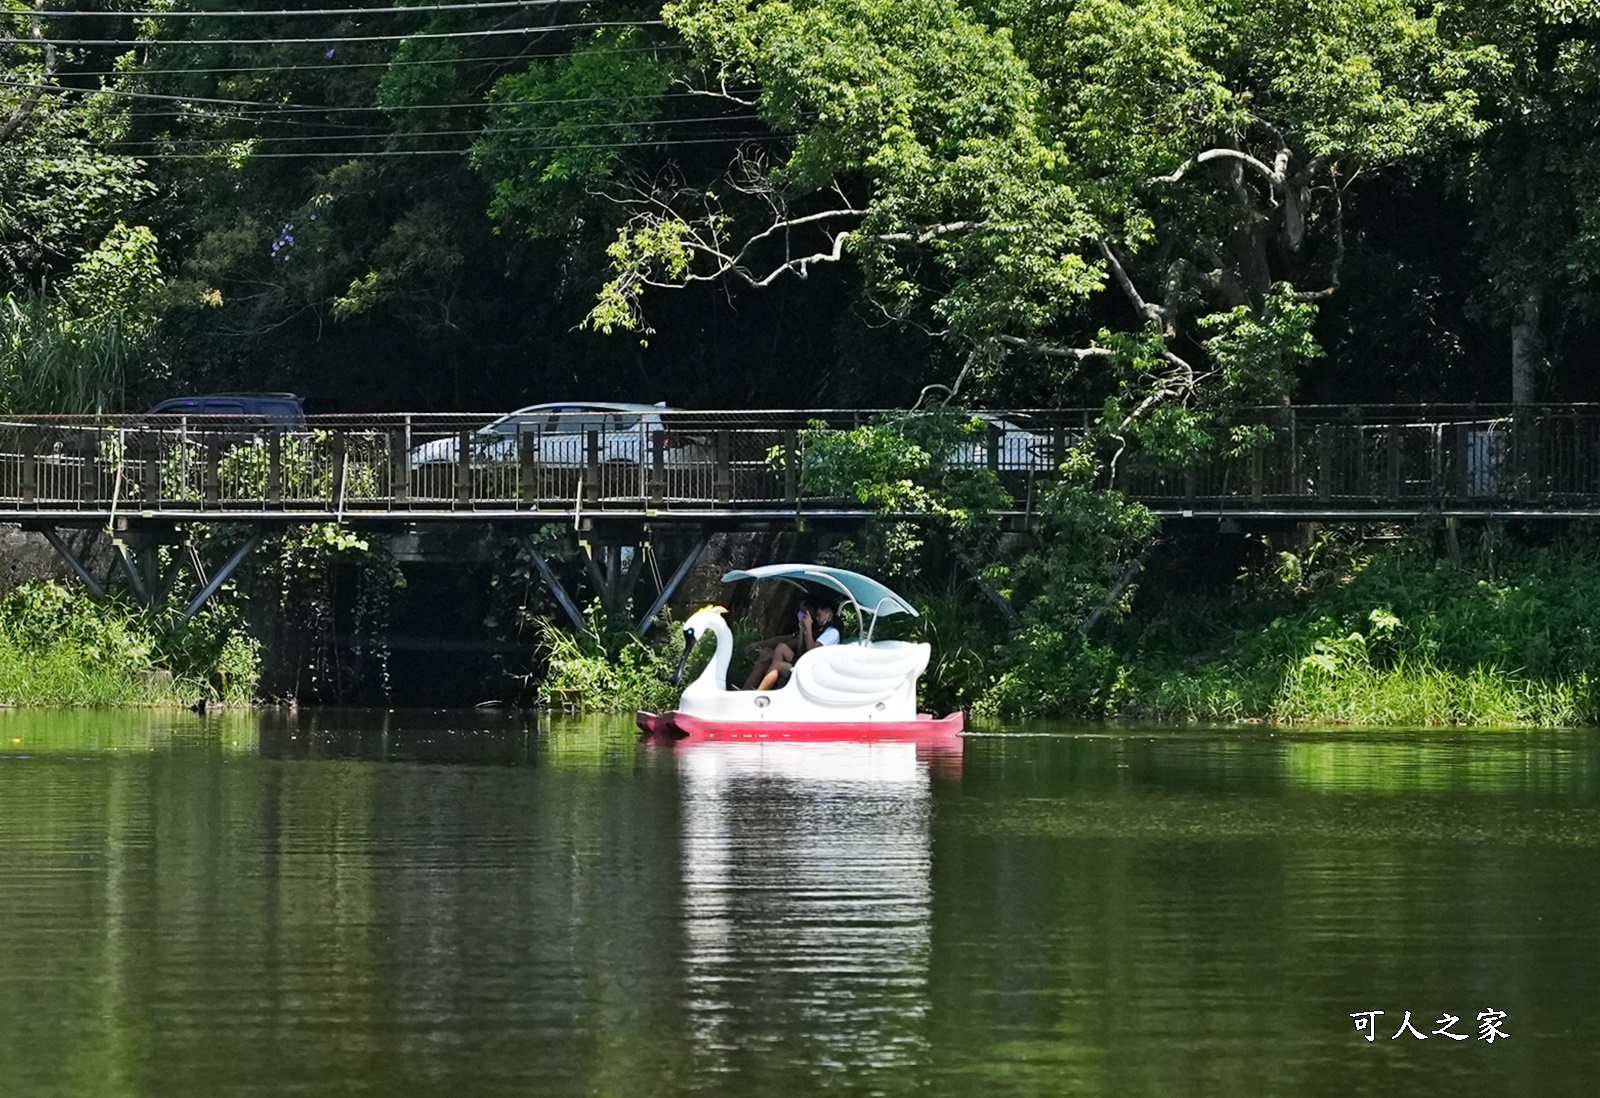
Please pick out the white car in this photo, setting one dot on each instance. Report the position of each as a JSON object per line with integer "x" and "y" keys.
{"x": 1018, "y": 449}
{"x": 559, "y": 433}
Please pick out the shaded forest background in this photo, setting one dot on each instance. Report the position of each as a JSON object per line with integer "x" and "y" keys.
{"x": 394, "y": 209}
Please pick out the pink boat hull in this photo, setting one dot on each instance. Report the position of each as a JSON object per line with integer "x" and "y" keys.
{"x": 925, "y": 729}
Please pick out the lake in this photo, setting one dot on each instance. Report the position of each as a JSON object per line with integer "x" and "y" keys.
{"x": 342, "y": 902}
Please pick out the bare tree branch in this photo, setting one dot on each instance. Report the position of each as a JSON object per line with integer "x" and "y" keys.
{"x": 954, "y": 388}
{"x": 24, "y": 110}
{"x": 1338, "y": 254}
{"x": 657, "y": 203}
{"x": 1052, "y": 350}
{"x": 721, "y": 93}
{"x": 1180, "y": 385}
{"x": 933, "y": 232}
{"x": 1143, "y": 307}
{"x": 1273, "y": 174}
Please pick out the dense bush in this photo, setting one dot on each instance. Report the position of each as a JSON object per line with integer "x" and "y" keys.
{"x": 607, "y": 668}
{"x": 1400, "y": 636}
{"x": 60, "y": 647}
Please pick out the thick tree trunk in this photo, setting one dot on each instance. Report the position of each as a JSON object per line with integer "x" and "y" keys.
{"x": 1526, "y": 349}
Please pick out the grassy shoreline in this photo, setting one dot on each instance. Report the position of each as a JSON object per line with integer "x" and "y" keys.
{"x": 61, "y": 649}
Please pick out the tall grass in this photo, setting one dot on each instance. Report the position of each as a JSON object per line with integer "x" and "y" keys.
{"x": 65, "y": 675}
{"x": 1392, "y": 638}
{"x": 1210, "y": 693}
{"x": 58, "y": 647}
{"x": 53, "y": 360}
{"x": 1417, "y": 692}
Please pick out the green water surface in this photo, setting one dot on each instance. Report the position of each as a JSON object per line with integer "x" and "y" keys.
{"x": 351, "y": 903}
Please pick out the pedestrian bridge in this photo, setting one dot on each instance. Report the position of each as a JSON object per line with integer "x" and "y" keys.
{"x": 745, "y": 469}
{"x": 627, "y": 478}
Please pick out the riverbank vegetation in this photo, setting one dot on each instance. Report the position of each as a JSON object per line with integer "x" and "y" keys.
{"x": 59, "y": 647}
{"x": 1098, "y": 612}
{"x": 1396, "y": 632}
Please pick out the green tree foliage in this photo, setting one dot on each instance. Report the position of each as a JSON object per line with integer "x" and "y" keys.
{"x": 69, "y": 346}
{"x": 986, "y": 171}
{"x": 1534, "y": 178}
{"x": 917, "y": 471}
{"x": 63, "y": 184}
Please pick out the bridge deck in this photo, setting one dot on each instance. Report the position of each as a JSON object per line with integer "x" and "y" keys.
{"x": 750, "y": 468}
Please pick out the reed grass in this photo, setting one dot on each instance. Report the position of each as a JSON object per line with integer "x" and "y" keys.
{"x": 66, "y": 675}
{"x": 54, "y": 361}
{"x": 59, "y": 648}
{"x": 1416, "y": 692}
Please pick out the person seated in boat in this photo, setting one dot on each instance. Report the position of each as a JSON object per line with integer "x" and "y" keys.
{"x": 767, "y": 647}
{"x": 764, "y": 648}
{"x": 817, "y": 629}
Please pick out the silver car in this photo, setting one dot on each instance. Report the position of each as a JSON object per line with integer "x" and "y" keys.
{"x": 558, "y": 433}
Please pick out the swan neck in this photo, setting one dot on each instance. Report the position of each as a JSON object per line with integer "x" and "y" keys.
{"x": 715, "y": 675}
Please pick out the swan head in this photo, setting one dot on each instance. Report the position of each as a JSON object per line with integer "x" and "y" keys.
{"x": 700, "y": 622}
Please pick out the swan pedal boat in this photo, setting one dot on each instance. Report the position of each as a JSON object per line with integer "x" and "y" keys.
{"x": 858, "y": 690}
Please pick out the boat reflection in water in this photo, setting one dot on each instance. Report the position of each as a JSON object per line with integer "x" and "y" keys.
{"x": 807, "y": 899}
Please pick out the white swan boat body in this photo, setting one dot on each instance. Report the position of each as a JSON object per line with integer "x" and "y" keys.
{"x": 858, "y": 689}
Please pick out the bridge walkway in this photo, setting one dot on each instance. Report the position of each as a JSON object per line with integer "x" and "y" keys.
{"x": 619, "y": 478}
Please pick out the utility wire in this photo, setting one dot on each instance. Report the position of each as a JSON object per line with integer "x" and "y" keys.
{"x": 346, "y": 154}
{"x": 411, "y": 10}
{"x": 342, "y": 65}
{"x": 304, "y": 108}
{"x": 136, "y": 42}
{"x": 388, "y": 134}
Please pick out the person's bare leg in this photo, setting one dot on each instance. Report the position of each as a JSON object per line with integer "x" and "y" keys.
{"x": 758, "y": 672}
{"x": 782, "y": 660}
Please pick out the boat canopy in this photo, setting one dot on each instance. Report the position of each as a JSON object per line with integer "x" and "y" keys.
{"x": 867, "y": 593}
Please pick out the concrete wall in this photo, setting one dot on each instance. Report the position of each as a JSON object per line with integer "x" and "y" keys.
{"x": 26, "y": 556}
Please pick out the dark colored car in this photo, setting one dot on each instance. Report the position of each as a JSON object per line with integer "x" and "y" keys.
{"x": 284, "y": 410}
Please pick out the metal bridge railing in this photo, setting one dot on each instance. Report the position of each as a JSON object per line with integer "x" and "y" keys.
{"x": 1307, "y": 458}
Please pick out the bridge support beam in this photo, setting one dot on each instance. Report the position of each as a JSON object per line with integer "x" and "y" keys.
{"x": 78, "y": 567}
{"x": 553, "y": 582}
{"x": 139, "y": 550}
{"x": 217, "y": 580}
{"x": 670, "y": 588}
{"x": 613, "y": 569}
{"x": 612, "y": 579}
{"x": 139, "y": 553}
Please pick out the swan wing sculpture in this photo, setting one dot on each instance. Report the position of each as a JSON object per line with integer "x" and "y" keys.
{"x": 859, "y": 675}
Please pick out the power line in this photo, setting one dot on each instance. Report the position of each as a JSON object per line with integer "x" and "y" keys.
{"x": 342, "y": 65}
{"x": 135, "y": 42}
{"x": 410, "y": 134}
{"x": 305, "y": 108}
{"x": 411, "y": 10}
{"x": 329, "y": 154}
